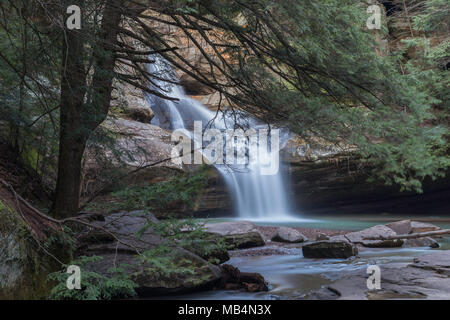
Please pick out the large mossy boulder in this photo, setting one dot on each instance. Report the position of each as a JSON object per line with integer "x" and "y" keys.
{"x": 187, "y": 273}
{"x": 24, "y": 266}
{"x": 177, "y": 272}
{"x": 237, "y": 235}
{"x": 209, "y": 249}
{"x": 157, "y": 266}
{"x": 329, "y": 250}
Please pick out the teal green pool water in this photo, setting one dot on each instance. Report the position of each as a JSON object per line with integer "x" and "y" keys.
{"x": 348, "y": 222}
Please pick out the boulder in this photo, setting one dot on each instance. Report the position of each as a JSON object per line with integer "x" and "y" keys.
{"x": 374, "y": 232}
{"x": 230, "y": 228}
{"x": 398, "y": 281}
{"x": 234, "y": 279}
{"x": 400, "y": 227}
{"x": 421, "y": 242}
{"x": 418, "y": 227}
{"x": 408, "y": 226}
{"x": 288, "y": 235}
{"x": 175, "y": 270}
{"x": 122, "y": 229}
{"x": 237, "y": 235}
{"x": 187, "y": 273}
{"x": 329, "y": 250}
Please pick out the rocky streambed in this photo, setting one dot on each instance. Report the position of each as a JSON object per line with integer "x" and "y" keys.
{"x": 410, "y": 269}
{"x": 241, "y": 260}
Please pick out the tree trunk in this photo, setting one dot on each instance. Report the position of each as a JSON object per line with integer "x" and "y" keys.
{"x": 79, "y": 118}
{"x": 67, "y": 194}
{"x": 72, "y": 139}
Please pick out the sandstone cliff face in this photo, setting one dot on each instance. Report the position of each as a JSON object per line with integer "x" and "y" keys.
{"x": 322, "y": 177}
{"x": 338, "y": 184}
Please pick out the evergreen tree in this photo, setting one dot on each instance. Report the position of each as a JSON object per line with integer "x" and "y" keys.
{"x": 308, "y": 65}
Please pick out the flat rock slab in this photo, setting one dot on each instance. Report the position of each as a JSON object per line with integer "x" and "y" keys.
{"x": 329, "y": 250}
{"x": 125, "y": 226}
{"x": 419, "y": 227}
{"x": 400, "y": 227}
{"x": 421, "y": 242}
{"x": 426, "y": 278}
{"x": 288, "y": 235}
{"x": 438, "y": 261}
{"x": 237, "y": 235}
{"x": 183, "y": 270}
{"x": 230, "y": 228}
{"x": 408, "y": 226}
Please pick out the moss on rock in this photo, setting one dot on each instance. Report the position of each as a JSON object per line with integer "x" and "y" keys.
{"x": 23, "y": 265}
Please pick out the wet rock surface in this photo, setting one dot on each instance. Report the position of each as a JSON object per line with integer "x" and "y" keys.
{"x": 237, "y": 235}
{"x": 374, "y": 232}
{"x": 419, "y": 227}
{"x": 329, "y": 250}
{"x": 438, "y": 261}
{"x": 421, "y": 242}
{"x": 184, "y": 271}
{"x": 289, "y": 235}
{"x": 426, "y": 278}
{"x": 234, "y": 279}
{"x": 400, "y": 227}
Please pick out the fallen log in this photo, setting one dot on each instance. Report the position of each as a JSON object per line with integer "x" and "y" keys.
{"x": 412, "y": 235}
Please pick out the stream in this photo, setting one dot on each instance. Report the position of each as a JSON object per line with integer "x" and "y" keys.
{"x": 292, "y": 276}
{"x": 262, "y": 200}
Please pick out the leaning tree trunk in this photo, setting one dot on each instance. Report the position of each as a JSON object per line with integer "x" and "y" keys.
{"x": 79, "y": 118}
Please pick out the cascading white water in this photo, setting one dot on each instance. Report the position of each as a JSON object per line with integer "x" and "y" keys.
{"x": 256, "y": 196}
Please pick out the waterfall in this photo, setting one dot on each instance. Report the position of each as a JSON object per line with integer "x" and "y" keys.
{"x": 255, "y": 196}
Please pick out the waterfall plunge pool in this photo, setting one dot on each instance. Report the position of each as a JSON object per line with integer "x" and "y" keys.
{"x": 292, "y": 276}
